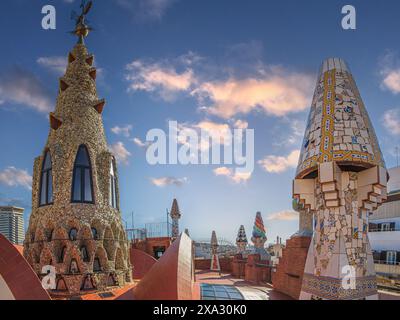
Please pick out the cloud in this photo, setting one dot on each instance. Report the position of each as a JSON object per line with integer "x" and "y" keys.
{"x": 223, "y": 90}
{"x": 233, "y": 175}
{"x": 120, "y": 152}
{"x": 391, "y": 81}
{"x": 56, "y": 64}
{"x": 146, "y": 10}
{"x": 289, "y": 132}
{"x": 286, "y": 215}
{"x": 124, "y": 131}
{"x": 165, "y": 80}
{"x": 241, "y": 124}
{"x": 140, "y": 143}
{"x": 15, "y": 202}
{"x": 391, "y": 121}
{"x": 168, "y": 181}
{"x": 276, "y": 94}
{"x": 14, "y": 177}
{"x": 389, "y": 65}
{"x": 21, "y": 87}
{"x": 279, "y": 164}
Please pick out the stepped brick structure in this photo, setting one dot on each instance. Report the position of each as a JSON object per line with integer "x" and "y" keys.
{"x": 75, "y": 225}
{"x": 341, "y": 178}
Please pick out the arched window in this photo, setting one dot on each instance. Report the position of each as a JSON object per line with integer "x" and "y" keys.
{"x": 46, "y": 181}
{"x": 113, "y": 186}
{"x": 49, "y": 235}
{"x": 73, "y": 234}
{"x": 95, "y": 234}
{"x": 62, "y": 254}
{"x": 82, "y": 185}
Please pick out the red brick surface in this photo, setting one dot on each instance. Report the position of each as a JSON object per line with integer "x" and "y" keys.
{"x": 170, "y": 278}
{"x": 257, "y": 271}
{"x": 18, "y": 274}
{"x": 141, "y": 263}
{"x": 205, "y": 264}
{"x": 289, "y": 272}
{"x": 238, "y": 266}
{"x": 149, "y": 244}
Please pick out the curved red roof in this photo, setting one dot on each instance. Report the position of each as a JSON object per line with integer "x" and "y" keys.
{"x": 170, "y": 278}
{"x": 18, "y": 281}
{"x": 141, "y": 263}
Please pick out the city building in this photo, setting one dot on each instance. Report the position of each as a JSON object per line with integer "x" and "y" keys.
{"x": 12, "y": 224}
{"x": 384, "y": 234}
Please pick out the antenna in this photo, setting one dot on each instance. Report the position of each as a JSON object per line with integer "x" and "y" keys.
{"x": 397, "y": 150}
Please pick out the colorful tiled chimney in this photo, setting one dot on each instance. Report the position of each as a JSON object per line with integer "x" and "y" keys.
{"x": 259, "y": 237}
{"x": 341, "y": 178}
{"x": 241, "y": 240}
{"x": 76, "y": 225}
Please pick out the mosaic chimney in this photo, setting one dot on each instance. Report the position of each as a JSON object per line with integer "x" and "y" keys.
{"x": 341, "y": 179}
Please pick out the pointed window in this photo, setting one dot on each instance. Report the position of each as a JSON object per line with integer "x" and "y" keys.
{"x": 113, "y": 186}
{"x": 84, "y": 254}
{"x": 96, "y": 265}
{"x": 46, "y": 181}
{"x": 82, "y": 184}
{"x": 73, "y": 267}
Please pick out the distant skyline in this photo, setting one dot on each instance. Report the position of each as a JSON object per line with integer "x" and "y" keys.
{"x": 209, "y": 65}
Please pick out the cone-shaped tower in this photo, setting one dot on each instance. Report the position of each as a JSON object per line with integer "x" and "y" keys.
{"x": 175, "y": 216}
{"x": 215, "y": 266}
{"x": 259, "y": 237}
{"x": 341, "y": 179}
{"x": 241, "y": 240}
{"x": 75, "y": 224}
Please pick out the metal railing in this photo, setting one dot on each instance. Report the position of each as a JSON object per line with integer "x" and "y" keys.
{"x": 383, "y": 230}
{"x": 386, "y": 262}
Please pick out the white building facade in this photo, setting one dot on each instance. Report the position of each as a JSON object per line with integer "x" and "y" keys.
{"x": 384, "y": 231}
{"x": 12, "y": 224}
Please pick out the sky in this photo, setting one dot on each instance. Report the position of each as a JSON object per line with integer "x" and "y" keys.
{"x": 215, "y": 65}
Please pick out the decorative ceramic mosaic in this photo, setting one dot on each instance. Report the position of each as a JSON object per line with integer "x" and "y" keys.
{"x": 241, "y": 239}
{"x": 339, "y": 138}
{"x": 259, "y": 237}
{"x": 338, "y": 127}
{"x": 96, "y": 254}
{"x": 347, "y": 221}
{"x": 332, "y": 289}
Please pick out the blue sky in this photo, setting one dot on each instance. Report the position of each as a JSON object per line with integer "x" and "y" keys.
{"x": 203, "y": 63}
